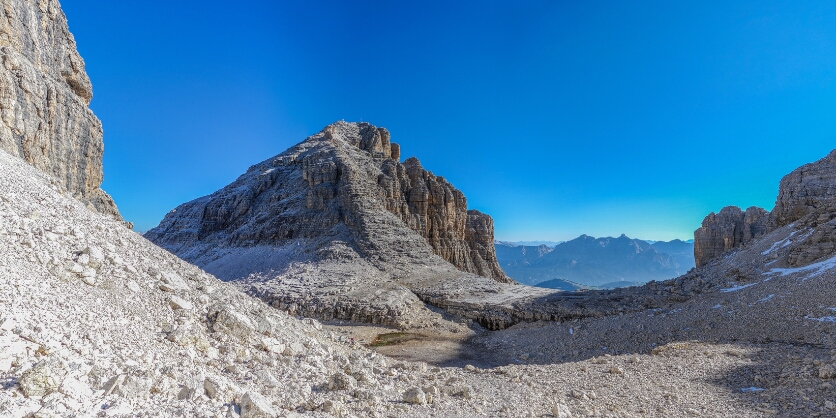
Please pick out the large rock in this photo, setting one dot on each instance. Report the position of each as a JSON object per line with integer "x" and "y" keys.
{"x": 729, "y": 229}
{"x": 44, "y": 94}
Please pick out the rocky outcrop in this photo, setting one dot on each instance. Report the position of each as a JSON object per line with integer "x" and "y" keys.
{"x": 479, "y": 236}
{"x": 729, "y": 229}
{"x": 335, "y": 189}
{"x": 806, "y": 197}
{"x": 44, "y": 94}
{"x": 436, "y": 210}
{"x": 337, "y": 227}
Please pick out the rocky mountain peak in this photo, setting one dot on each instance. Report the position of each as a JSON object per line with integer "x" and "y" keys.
{"x": 340, "y": 196}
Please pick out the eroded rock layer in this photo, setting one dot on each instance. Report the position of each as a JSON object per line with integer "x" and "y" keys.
{"x": 44, "y": 94}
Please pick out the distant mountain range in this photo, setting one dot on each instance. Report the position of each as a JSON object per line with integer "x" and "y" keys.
{"x": 595, "y": 262}
{"x": 529, "y": 243}
{"x": 566, "y": 285}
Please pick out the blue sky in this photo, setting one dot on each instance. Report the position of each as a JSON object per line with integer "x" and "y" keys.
{"x": 558, "y": 118}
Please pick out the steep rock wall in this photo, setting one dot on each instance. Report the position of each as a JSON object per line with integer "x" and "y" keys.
{"x": 44, "y": 94}
{"x": 809, "y": 189}
{"x": 346, "y": 177}
{"x": 729, "y": 229}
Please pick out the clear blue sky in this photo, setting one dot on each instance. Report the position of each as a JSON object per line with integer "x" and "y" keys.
{"x": 558, "y": 118}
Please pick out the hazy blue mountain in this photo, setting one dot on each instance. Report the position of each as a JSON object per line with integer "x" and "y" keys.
{"x": 530, "y": 243}
{"x": 561, "y": 284}
{"x": 519, "y": 255}
{"x": 615, "y": 285}
{"x": 590, "y": 261}
{"x": 681, "y": 251}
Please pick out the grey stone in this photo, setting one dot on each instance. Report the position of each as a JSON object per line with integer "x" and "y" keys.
{"x": 254, "y": 405}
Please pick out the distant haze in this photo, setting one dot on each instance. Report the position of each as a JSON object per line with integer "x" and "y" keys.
{"x": 530, "y": 243}
{"x": 601, "y": 262}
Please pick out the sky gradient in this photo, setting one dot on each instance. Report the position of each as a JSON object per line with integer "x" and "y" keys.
{"x": 557, "y": 118}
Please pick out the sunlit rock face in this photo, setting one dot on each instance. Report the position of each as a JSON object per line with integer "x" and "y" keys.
{"x": 44, "y": 98}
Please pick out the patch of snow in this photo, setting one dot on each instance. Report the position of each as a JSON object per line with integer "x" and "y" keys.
{"x": 822, "y": 319}
{"x": 717, "y": 306}
{"x": 735, "y": 287}
{"x": 815, "y": 268}
{"x": 752, "y": 389}
{"x": 787, "y": 241}
{"x": 779, "y": 244}
{"x": 766, "y": 298}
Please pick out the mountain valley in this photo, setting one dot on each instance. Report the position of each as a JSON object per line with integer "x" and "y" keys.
{"x": 337, "y": 280}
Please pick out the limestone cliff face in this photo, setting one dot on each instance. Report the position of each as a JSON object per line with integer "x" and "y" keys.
{"x": 806, "y": 196}
{"x": 436, "y": 210}
{"x": 44, "y": 93}
{"x": 731, "y": 228}
{"x": 346, "y": 179}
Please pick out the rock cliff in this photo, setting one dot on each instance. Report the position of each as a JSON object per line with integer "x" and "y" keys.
{"x": 731, "y": 228}
{"x": 808, "y": 190}
{"x": 337, "y": 209}
{"x": 44, "y": 94}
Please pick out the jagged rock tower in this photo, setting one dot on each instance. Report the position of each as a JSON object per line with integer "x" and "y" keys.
{"x": 44, "y": 94}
